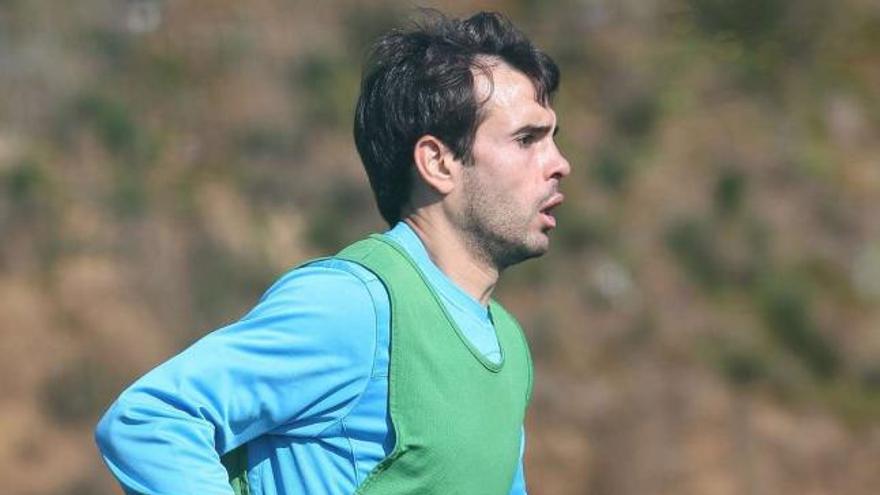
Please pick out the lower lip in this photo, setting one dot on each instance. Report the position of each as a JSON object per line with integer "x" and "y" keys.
{"x": 549, "y": 220}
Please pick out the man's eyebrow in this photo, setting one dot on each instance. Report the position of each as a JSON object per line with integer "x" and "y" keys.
{"x": 539, "y": 130}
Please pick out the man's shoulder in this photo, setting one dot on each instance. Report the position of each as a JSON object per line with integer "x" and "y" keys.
{"x": 322, "y": 282}
{"x": 328, "y": 306}
{"x": 330, "y": 272}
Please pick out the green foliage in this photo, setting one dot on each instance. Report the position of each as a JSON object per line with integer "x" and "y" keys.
{"x": 126, "y": 60}
{"x": 30, "y": 211}
{"x": 166, "y": 72}
{"x": 852, "y": 401}
{"x": 743, "y": 368}
{"x": 29, "y": 193}
{"x": 264, "y": 143}
{"x": 341, "y": 206}
{"x": 115, "y": 48}
{"x": 740, "y": 364}
{"x": 717, "y": 252}
{"x": 129, "y": 197}
{"x": 86, "y": 485}
{"x": 730, "y": 189}
{"x": 633, "y": 120}
{"x": 613, "y": 168}
{"x": 25, "y": 181}
{"x": 328, "y": 84}
{"x": 112, "y": 121}
{"x": 870, "y": 379}
{"x": 637, "y": 115}
{"x": 693, "y": 244}
{"x": 749, "y": 22}
{"x": 786, "y": 309}
{"x": 364, "y": 24}
{"x": 762, "y": 41}
{"x": 579, "y": 231}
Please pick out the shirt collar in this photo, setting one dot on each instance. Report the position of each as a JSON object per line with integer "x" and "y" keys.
{"x": 406, "y": 237}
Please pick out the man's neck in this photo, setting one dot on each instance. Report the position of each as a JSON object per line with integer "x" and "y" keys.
{"x": 453, "y": 256}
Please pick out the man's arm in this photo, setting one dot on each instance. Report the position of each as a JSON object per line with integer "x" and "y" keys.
{"x": 300, "y": 359}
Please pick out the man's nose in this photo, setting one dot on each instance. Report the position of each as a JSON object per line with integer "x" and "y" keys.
{"x": 558, "y": 166}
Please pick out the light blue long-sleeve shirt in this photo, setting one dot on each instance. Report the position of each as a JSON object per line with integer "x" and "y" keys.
{"x": 302, "y": 379}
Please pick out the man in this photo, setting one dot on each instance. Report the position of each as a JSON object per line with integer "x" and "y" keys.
{"x": 386, "y": 369}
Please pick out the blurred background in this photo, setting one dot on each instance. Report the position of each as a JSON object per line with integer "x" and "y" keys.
{"x": 708, "y": 321}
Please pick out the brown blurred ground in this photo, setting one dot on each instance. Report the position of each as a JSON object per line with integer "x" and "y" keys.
{"x": 707, "y": 321}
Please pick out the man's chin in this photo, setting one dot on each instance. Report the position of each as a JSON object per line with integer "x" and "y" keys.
{"x": 538, "y": 246}
{"x": 542, "y": 250}
{"x": 522, "y": 253}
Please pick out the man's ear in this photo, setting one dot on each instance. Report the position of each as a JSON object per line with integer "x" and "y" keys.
{"x": 435, "y": 164}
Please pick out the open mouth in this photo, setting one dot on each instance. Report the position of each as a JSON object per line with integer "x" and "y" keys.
{"x": 547, "y": 210}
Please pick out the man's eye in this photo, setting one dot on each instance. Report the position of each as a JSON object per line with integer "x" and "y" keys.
{"x": 526, "y": 140}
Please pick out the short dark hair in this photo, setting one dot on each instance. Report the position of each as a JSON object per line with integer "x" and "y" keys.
{"x": 421, "y": 81}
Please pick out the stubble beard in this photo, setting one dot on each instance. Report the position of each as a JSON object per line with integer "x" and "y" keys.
{"x": 494, "y": 228}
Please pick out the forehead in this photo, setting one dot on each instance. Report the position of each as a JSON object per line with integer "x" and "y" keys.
{"x": 510, "y": 98}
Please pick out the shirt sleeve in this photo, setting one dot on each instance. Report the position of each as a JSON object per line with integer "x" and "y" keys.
{"x": 519, "y": 479}
{"x": 299, "y": 360}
